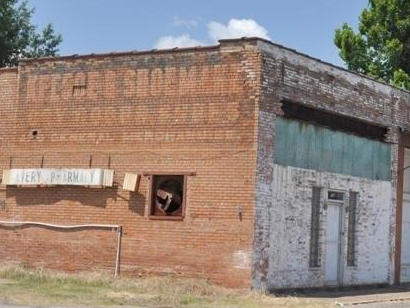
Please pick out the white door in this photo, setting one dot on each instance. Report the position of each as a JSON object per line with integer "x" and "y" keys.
{"x": 332, "y": 244}
{"x": 405, "y": 239}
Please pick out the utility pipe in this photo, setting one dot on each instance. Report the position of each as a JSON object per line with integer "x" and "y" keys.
{"x": 117, "y": 257}
{"x": 118, "y": 228}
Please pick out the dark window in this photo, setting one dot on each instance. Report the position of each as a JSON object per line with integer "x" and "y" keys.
{"x": 335, "y": 195}
{"x": 333, "y": 121}
{"x": 351, "y": 231}
{"x": 315, "y": 228}
{"x": 167, "y": 196}
{"x": 79, "y": 90}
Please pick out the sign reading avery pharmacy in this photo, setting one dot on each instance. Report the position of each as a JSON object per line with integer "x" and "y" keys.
{"x": 78, "y": 177}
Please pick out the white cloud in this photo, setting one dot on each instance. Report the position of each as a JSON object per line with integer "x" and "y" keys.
{"x": 176, "y": 41}
{"x": 236, "y": 28}
{"x": 186, "y": 23}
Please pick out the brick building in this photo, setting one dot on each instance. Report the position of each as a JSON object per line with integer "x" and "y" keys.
{"x": 246, "y": 162}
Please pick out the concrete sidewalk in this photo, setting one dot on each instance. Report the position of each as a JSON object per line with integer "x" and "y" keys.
{"x": 362, "y": 296}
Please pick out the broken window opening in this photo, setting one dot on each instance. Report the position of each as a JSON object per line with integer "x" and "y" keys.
{"x": 167, "y": 196}
{"x": 314, "y": 260}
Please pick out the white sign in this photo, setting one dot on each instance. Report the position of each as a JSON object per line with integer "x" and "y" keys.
{"x": 79, "y": 177}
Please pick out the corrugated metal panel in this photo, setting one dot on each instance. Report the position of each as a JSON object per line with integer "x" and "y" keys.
{"x": 108, "y": 177}
{"x": 309, "y": 146}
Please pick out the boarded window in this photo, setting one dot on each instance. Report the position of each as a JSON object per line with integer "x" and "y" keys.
{"x": 304, "y": 145}
{"x": 351, "y": 231}
{"x": 315, "y": 228}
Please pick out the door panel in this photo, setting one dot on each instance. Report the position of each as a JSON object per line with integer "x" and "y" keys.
{"x": 332, "y": 244}
{"x": 405, "y": 240}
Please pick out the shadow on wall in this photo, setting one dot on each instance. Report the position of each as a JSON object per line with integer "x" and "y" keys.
{"x": 97, "y": 197}
{"x": 136, "y": 203}
{"x": 31, "y": 196}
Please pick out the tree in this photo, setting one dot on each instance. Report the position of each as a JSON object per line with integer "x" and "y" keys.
{"x": 381, "y": 48}
{"x": 19, "y": 38}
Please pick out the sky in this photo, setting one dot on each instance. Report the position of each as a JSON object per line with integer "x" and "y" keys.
{"x": 98, "y": 26}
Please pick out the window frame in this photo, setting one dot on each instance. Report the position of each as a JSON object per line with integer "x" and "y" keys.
{"x": 341, "y": 202}
{"x": 151, "y": 192}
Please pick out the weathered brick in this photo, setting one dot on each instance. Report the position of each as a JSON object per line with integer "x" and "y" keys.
{"x": 208, "y": 110}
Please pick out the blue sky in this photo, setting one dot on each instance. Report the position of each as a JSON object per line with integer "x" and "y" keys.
{"x": 95, "y": 26}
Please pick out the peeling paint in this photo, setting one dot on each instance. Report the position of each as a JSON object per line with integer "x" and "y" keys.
{"x": 242, "y": 259}
{"x": 289, "y": 229}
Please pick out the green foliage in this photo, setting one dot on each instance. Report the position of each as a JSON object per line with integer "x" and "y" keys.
{"x": 19, "y": 38}
{"x": 381, "y": 47}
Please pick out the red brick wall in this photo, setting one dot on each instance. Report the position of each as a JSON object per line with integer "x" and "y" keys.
{"x": 176, "y": 111}
{"x": 75, "y": 250}
{"x": 8, "y": 105}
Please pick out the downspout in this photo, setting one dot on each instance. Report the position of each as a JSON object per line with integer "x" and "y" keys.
{"x": 117, "y": 228}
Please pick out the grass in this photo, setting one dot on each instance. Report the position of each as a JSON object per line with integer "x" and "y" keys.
{"x": 39, "y": 287}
